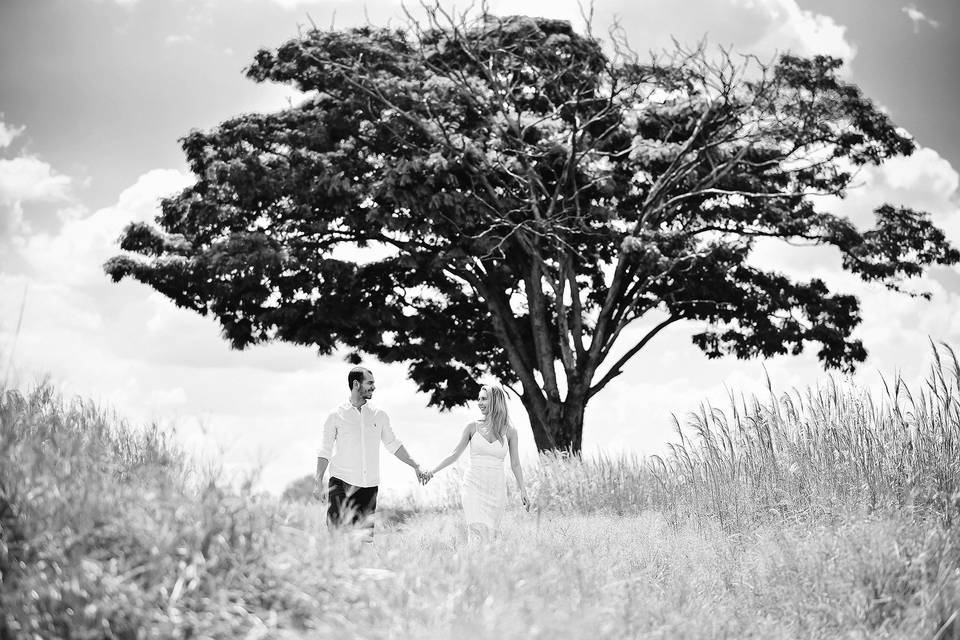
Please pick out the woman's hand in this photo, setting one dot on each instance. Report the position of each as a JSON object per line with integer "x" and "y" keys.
{"x": 424, "y": 475}
{"x": 524, "y": 499}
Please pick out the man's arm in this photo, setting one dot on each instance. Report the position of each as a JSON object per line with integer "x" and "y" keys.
{"x": 323, "y": 455}
{"x": 394, "y": 446}
{"x": 403, "y": 456}
{"x": 318, "y": 491}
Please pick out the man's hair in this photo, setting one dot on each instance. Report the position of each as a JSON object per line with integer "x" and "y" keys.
{"x": 356, "y": 374}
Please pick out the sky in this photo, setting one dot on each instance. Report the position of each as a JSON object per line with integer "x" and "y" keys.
{"x": 94, "y": 95}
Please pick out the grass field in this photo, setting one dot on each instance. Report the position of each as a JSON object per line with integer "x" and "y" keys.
{"x": 816, "y": 514}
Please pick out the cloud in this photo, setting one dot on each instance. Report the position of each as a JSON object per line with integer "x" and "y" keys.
{"x": 800, "y": 31}
{"x": 25, "y": 179}
{"x": 294, "y": 4}
{"x": 74, "y": 254}
{"x": 30, "y": 179}
{"x": 119, "y": 3}
{"x": 918, "y": 18}
{"x": 8, "y": 133}
{"x": 174, "y": 39}
{"x": 761, "y": 27}
{"x": 924, "y": 181}
{"x": 72, "y": 307}
{"x": 168, "y": 397}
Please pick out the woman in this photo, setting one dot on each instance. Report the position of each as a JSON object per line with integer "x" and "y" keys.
{"x": 484, "y": 490}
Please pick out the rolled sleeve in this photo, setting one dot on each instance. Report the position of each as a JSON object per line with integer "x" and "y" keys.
{"x": 387, "y": 436}
{"x": 328, "y": 438}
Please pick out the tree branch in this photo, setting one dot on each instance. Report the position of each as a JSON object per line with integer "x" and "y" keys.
{"x": 507, "y": 334}
{"x": 617, "y": 367}
{"x": 541, "y": 332}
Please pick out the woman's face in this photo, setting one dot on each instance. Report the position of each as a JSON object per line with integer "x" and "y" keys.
{"x": 484, "y": 401}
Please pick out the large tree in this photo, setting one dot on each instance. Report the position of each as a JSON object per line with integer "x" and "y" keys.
{"x": 529, "y": 194}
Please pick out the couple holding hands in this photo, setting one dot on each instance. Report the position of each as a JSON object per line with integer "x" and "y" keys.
{"x": 350, "y": 447}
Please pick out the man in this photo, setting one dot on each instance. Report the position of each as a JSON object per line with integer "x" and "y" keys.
{"x": 356, "y": 428}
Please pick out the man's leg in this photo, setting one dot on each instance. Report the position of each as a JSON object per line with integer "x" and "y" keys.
{"x": 336, "y": 499}
{"x": 365, "y": 500}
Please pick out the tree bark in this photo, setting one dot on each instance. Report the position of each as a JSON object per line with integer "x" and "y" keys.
{"x": 559, "y": 426}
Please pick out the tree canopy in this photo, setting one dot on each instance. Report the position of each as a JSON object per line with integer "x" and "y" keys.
{"x": 528, "y": 194}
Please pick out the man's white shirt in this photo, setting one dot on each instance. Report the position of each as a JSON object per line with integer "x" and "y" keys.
{"x": 357, "y": 434}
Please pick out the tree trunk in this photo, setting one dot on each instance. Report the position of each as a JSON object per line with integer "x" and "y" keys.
{"x": 560, "y": 427}
{"x": 570, "y": 433}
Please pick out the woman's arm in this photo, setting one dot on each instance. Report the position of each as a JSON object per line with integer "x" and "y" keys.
{"x": 461, "y": 445}
{"x": 515, "y": 465}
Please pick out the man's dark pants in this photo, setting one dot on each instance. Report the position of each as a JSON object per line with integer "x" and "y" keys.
{"x": 349, "y": 504}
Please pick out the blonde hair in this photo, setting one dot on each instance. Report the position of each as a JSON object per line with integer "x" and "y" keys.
{"x": 498, "y": 415}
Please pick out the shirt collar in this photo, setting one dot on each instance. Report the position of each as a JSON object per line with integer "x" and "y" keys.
{"x": 349, "y": 405}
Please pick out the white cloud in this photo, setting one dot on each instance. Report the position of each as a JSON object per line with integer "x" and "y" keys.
{"x": 925, "y": 173}
{"x": 11, "y": 222}
{"x": 120, "y": 3}
{"x": 894, "y": 324}
{"x": 803, "y": 32}
{"x": 168, "y": 397}
{"x": 8, "y": 133}
{"x": 924, "y": 181}
{"x": 28, "y": 178}
{"x": 175, "y": 39}
{"x": 276, "y": 96}
{"x": 74, "y": 255}
{"x": 293, "y": 4}
{"x": 918, "y": 18}
{"x": 761, "y": 27}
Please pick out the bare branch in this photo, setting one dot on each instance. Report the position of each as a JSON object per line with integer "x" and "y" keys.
{"x": 617, "y": 367}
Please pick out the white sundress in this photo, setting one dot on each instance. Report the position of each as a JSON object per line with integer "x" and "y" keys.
{"x": 484, "y": 490}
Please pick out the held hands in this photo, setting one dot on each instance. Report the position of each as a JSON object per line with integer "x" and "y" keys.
{"x": 423, "y": 475}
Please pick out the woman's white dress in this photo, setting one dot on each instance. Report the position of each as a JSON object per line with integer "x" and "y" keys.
{"x": 484, "y": 490}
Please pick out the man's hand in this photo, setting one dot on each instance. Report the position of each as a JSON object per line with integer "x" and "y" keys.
{"x": 423, "y": 475}
{"x": 319, "y": 491}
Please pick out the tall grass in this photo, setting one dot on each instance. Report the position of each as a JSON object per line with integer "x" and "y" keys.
{"x": 819, "y": 514}
{"x": 828, "y": 449}
{"x": 109, "y": 531}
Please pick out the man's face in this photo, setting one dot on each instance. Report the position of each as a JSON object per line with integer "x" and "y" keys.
{"x": 368, "y": 386}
